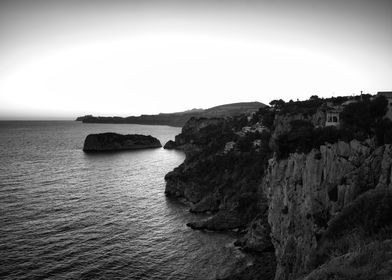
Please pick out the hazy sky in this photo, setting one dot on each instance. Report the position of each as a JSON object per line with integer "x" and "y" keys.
{"x": 60, "y": 59}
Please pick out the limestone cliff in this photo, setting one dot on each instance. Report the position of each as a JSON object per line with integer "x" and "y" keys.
{"x": 306, "y": 190}
{"x": 292, "y": 185}
{"x": 210, "y": 177}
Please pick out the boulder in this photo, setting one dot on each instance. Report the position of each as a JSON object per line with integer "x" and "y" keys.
{"x": 117, "y": 142}
{"x": 170, "y": 145}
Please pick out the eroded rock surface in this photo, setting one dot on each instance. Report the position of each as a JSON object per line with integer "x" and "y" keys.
{"x": 282, "y": 178}
{"x": 306, "y": 190}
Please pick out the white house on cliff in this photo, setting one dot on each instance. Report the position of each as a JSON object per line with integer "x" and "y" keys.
{"x": 333, "y": 112}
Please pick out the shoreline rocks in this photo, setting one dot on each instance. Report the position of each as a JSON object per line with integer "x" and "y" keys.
{"x": 289, "y": 183}
{"x": 170, "y": 145}
{"x": 110, "y": 142}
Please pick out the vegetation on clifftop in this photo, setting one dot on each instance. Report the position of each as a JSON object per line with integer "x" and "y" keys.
{"x": 228, "y": 176}
{"x": 359, "y": 120}
{"x": 226, "y": 163}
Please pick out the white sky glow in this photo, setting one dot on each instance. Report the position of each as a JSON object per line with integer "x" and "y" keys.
{"x": 165, "y": 69}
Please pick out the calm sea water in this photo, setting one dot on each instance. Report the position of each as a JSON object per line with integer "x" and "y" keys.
{"x": 65, "y": 214}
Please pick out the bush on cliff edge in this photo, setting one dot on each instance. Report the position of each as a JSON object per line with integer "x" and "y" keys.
{"x": 367, "y": 219}
{"x": 360, "y": 120}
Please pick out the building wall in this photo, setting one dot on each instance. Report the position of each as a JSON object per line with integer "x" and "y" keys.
{"x": 332, "y": 119}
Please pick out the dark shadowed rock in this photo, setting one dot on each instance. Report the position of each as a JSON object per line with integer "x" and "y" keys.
{"x": 116, "y": 142}
{"x": 223, "y": 220}
{"x": 263, "y": 267}
{"x": 170, "y": 145}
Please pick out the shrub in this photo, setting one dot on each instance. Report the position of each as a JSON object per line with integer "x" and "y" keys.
{"x": 277, "y": 103}
{"x": 363, "y": 262}
{"x": 303, "y": 137}
{"x": 362, "y": 116}
{"x": 266, "y": 116}
{"x": 360, "y": 121}
{"x": 371, "y": 212}
{"x": 297, "y": 140}
{"x": 367, "y": 219}
{"x": 307, "y": 107}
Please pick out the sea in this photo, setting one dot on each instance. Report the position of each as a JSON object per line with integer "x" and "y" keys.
{"x": 65, "y": 214}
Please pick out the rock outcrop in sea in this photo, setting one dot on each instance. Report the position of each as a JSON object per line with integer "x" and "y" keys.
{"x": 318, "y": 197}
{"x": 109, "y": 141}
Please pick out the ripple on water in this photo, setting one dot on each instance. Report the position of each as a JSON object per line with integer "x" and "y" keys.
{"x": 70, "y": 215}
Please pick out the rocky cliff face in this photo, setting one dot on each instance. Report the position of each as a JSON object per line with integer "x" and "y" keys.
{"x": 213, "y": 180}
{"x": 225, "y": 160}
{"x": 306, "y": 190}
{"x": 193, "y": 140}
{"x": 295, "y": 203}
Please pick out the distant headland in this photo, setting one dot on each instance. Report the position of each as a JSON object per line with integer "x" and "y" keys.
{"x": 179, "y": 118}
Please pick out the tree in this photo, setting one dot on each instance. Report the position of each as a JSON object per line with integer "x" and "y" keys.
{"x": 364, "y": 115}
{"x": 314, "y": 97}
{"x": 277, "y": 103}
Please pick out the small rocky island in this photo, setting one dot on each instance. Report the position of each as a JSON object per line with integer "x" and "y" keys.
{"x": 106, "y": 142}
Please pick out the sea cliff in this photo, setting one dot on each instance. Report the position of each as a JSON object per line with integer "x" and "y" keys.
{"x": 306, "y": 191}
{"x": 315, "y": 196}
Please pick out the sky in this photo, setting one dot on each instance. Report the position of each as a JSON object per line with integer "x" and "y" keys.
{"x": 62, "y": 59}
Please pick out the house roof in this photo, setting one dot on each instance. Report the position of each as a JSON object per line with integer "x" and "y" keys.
{"x": 334, "y": 111}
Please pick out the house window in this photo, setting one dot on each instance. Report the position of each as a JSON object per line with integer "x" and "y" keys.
{"x": 332, "y": 118}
